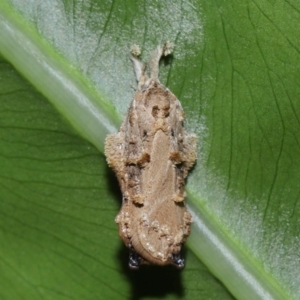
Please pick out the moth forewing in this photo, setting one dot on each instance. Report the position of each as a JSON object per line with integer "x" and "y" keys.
{"x": 151, "y": 156}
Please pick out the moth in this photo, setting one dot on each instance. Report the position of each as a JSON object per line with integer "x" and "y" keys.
{"x": 151, "y": 156}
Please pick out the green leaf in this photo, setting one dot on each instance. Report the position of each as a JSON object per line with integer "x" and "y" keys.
{"x": 235, "y": 69}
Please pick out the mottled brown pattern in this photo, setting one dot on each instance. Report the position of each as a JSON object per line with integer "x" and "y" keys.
{"x": 151, "y": 156}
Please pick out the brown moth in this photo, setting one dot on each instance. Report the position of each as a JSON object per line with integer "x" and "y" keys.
{"x": 151, "y": 156}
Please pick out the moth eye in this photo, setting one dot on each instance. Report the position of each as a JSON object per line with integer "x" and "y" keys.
{"x": 145, "y": 133}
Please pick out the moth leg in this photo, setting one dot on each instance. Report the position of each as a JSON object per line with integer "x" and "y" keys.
{"x": 155, "y": 58}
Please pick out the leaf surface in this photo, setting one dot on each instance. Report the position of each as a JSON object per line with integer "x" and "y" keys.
{"x": 235, "y": 70}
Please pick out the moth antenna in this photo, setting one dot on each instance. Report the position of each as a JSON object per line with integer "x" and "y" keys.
{"x": 168, "y": 48}
{"x": 139, "y": 67}
{"x": 155, "y": 58}
{"x": 135, "y": 50}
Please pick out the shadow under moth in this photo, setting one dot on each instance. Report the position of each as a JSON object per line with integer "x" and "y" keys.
{"x": 151, "y": 156}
